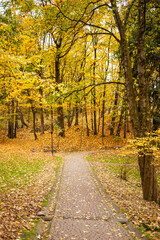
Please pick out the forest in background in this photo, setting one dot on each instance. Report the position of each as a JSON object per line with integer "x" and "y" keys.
{"x": 94, "y": 59}
{"x": 87, "y": 74}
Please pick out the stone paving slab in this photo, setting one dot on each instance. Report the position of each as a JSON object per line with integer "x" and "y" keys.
{"x": 69, "y": 229}
{"x": 78, "y": 195}
{"x": 81, "y": 211}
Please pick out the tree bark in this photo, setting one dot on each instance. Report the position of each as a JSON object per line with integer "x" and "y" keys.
{"x": 70, "y": 115}
{"x": 41, "y": 112}
{"x": 77, "y": 114}
{"x": 120, "y": 120}
{"x": 34, "y": 122}
{"x": 60, "y": 115}
{"x": 95, "y": 40}
{"x": 114, "y": 112}
{"x": 139, "y": 112}
{"x": 11, "y": 119}
{"x": 22, "y": 119}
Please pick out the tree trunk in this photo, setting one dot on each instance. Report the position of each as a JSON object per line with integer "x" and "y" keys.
{"x": 146, "y": 159}
{"x": 70, "y": 115}
{"x": 103, "y": 110}
{"x": 125, "y": 126}
{"x": 41, "y": 112}
{"x": 34, "y": 122}
{"x": 120, "y": 120}
{"x": 11, "y": 120}
{"x": 60, "y": 120}
{"x": 77, "y": 114}
{"x": 148, "y": 175}
{"x": 22, "y": 119}
{"x": 114, "y": 112}
{"x": 140, "y": 117}
{"x": 60, "y": 116}
{"x": 95, "y": 40}
{"x": 16, "y": 120}
{"x": 42, "y": 120}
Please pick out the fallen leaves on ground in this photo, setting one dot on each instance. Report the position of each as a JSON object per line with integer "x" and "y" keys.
{"x": 128, "y": 196}
{"x": 19, "y": 205}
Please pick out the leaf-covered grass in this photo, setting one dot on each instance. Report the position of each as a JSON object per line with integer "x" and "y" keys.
{"x": 121, "y": 166}
{"x": 25, "y": 184}
{"x": 16, "y": 171}
{"x": 112, "y": 169}
{"x": 112, "y": 158}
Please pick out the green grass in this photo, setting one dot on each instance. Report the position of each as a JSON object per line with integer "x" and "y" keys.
{"x": 28, "y": 234}
{"x": 58, "y": 162}
{"x": 17, "y": 171}
{"x": 132, "y": 171}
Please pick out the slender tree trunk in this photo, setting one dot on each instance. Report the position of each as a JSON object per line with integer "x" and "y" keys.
{"x": 41, "y": 113}
{"x": 34, "y": 122}
{"x": 70, "y": 115}
{"x": 42, "y": 120}
{"x": 92, "y": 126}
{"x": 60, "y": 115}
{"x": 11, "y": 119}
{"x": 86, "y": 116}
{"x": 120, "y": 121}
{"x": 16, "y": 120}
{"x": 125, "y": 126}
{"x": 103, "y": 110}
{"x": 95, "y": 40}
{"x": 77, "y": 114}
{"x": 29, "y": 112}
{"x": 99, "y": 117}
{"x": 22, "y": 119}
{"x": 114, "y": 112}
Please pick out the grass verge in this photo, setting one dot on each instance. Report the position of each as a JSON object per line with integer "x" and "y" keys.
{"x": 25, "y": 183}
{"x": 127, "y": 194}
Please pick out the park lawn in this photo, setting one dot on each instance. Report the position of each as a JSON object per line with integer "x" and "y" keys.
{"x": 25, "y": 182}
{"x": 120, "y": 177}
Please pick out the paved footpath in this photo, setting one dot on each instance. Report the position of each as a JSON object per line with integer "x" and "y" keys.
{"x": 82, "y": 212}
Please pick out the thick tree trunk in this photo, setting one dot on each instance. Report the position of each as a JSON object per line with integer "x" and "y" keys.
{"x": 148, "y": 175}
{"x": 60, "y": 120}
{"x": 146, "y": 159}
{"x": 140, "y": 115}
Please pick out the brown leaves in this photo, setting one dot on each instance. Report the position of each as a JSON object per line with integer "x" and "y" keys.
{"x": 128, "y": 196}
{"x": 19, "y": 206}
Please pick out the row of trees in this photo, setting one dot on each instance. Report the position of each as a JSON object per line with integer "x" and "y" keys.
{"x": 85, "y": 56}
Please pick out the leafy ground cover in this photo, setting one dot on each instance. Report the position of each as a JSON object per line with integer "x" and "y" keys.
{"x": 25, "y": 182}
{"x": 120, "y": 178}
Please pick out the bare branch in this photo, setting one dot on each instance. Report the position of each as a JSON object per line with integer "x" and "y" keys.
{"x": 93, "y": 86}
